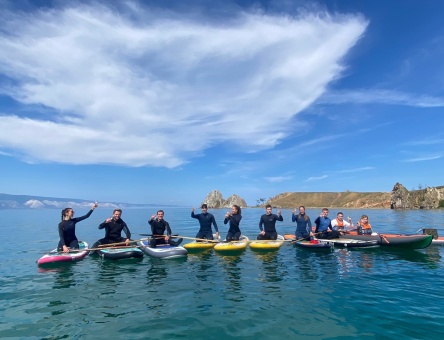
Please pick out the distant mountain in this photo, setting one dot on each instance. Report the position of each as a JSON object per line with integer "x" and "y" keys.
{"x": 39, "y": 202}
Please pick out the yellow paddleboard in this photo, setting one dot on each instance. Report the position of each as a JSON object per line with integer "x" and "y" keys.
{"x": 267, "y": 244}
{"x": 199, "y": 245}
{"x": 232, "y": 245}
{"x": 202, "y": 245}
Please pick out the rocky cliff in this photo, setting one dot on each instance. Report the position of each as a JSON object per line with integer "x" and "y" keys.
{"x": 428, "y": 198}
{"x": 215, "y": 200}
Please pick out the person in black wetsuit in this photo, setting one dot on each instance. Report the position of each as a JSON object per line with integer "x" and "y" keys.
{"x": 205, "y": 220}
{"x": 113, "y": 228}
{"x": 67, "y": 229}
{"x": 158, "y": 227}
{"x": 268, "y": 221}
{"x": 234, "y": 218}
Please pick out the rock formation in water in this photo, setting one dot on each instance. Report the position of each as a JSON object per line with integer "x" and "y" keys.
{"x": 215, "y": 200}
{"x": 235, "y": 200}
{"x": 428, "y": 198}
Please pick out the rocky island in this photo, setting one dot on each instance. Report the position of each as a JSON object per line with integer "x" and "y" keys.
{"x": 215, "y": 200}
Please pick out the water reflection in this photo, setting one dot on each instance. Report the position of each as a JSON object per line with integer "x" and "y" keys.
{"x": 156, "y": 275}
{"x": 312, "y": 264}
{"x": 430, "y": 257}
{"x": 354, "y": 260}
{"x": 202, "y": 264}
{"x": 270, "y": 269}
{"x": 232, "y": 278}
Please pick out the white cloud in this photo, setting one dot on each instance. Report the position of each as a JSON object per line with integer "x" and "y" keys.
{"x": 364, "y": 168}
{"x": 311, "y": 179}
{"x": 422, "y": 159}
{"x": 158, "y": 90}
{"x": 381, "y": 96}
{"x": 428, "y": 141}
{"x": 278, "y": 179}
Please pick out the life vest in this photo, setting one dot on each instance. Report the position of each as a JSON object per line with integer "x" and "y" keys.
{"x": 366, "y": 226}
{"x": 340, "y": 224}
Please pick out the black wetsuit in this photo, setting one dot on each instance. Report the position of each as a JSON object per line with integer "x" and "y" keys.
{"x": 269, "y": 223}
{"x": 158, "y": 228}
{"x": 205, "y": 221}
{"x": 67, "y": 232}
{"x": 233, "y": 232}
{"x": 113, "y": 230}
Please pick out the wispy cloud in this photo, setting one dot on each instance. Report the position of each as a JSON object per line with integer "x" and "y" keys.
{"x": 422, "y": 159}
{"x": 381, "y": 96}
{"x": 151, "y": 88}
{"x": 365, "y": 168}
{"x": 425, "y": 142}
{"x": 312, "y": 179}
{"x": 320, "y": 140}
{"x": 278, "y": 179}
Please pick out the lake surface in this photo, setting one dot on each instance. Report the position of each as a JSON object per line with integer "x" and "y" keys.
{"x": 293, "y": 293}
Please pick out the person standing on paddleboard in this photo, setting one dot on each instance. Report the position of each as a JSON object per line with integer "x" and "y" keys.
{"x": 205, "y": 220}
{"x": 234, "y": 218}
{"x": 67, "y": 229}
{"x": 303, "y": 224}
{"x": 158, "y": 227}
{"x": 267, "y": 224}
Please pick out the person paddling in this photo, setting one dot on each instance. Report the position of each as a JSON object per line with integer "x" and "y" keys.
{"x": 67, "y": 229}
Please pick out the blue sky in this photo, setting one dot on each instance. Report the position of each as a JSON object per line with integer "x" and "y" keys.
{"x": 164, "y": 101}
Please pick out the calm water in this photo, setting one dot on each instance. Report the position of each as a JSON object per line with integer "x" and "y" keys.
{"x": 294, "y": 292}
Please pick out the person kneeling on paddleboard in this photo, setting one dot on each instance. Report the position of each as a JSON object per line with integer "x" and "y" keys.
{"x": 67, "y": 229}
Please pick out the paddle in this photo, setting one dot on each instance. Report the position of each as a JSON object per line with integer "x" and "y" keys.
{"x": 92, "y": 249}
{"x": 118, "y": 243}
{"x": 159, "y": 236}
{"x": 384, "y": 238}
{"x": 264, "y": 241}
{"x": 301, "y": 239}
{"x": 185, "y": 237}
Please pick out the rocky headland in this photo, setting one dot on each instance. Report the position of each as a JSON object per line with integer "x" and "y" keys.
{"x": 215, "y": 200}
{"x": 398, "y": 198}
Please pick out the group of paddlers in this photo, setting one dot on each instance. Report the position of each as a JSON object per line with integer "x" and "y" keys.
{"x": 324, "y": 227}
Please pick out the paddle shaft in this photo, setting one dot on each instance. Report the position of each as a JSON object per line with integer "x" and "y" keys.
{"x": 91, "y": 249}
{"x": 301, "y": 239}
{"x": 180, "y": 236}
{"x": 118, "y": 243}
